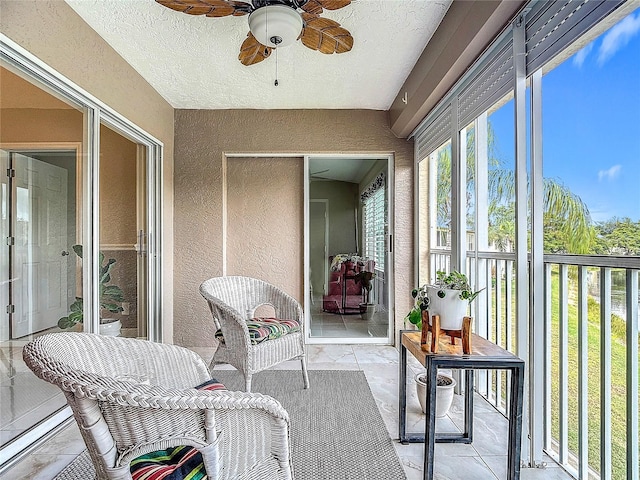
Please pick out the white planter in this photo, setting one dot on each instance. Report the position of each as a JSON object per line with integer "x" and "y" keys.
{"x": 111, "y": 327}
{"x": 451, "y": 308}
{"x": 444, "y": 393}
{"x": 367, "y": 310}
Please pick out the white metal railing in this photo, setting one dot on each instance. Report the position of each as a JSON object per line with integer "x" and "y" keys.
{"x": 591, "y": 353}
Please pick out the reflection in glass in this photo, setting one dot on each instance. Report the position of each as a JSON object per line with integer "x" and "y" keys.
{"x": 348, "y": 228}
{"x": 123, "y": 230}
{"x": 39, "y": 212}
{"x": 22, "y": 205}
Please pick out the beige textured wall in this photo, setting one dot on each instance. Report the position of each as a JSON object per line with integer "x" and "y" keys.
{"x": 27, "y": 125}
{"x": 118, "y": 225}
{"x": 202, "y": 139}
{"x": 265, "y": 219}
{"x": 54, "y": 33}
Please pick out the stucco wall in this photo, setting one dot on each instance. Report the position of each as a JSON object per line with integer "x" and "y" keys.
{"x": 118, "y": 222}
{"x": 202, "y": 139}
{"x": 265, "y": 219}
{"x": 53, "y": 32}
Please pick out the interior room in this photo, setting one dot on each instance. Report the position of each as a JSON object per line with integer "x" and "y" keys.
{"x": 221, "y": 217}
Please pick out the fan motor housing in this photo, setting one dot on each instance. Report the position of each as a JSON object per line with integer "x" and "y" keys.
{"x": 275, "y": 25}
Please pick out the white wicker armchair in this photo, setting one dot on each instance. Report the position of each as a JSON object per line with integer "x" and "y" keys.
{"x": 130, "y": 397}
{"x": 233, "y": 300}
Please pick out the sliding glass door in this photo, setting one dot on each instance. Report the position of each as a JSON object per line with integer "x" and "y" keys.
{"x": 348, "y": 251}
{"x": 77, "y": 181}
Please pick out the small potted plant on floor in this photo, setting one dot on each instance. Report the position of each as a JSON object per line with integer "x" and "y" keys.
{"x": 444, "y": 392}
{"x": 365, "y": 279}
{"x": 110, "y": 298}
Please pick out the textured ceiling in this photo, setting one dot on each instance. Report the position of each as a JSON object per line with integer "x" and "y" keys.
{"x": 192, "y": 61}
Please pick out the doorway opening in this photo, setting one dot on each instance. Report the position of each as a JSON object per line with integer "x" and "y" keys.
{"x": 348, "y": 264}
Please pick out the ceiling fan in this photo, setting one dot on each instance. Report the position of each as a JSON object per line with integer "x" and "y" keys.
{"x": 316, "y": 176}
{"x": 276, "y": 23}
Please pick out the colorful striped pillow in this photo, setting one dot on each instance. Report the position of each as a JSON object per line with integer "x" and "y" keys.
{"x": 177, "y": 463}
{"x": 264, "y": 328}
{"x": 211, "y": 385}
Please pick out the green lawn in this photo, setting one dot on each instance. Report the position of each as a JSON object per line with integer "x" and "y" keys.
{"x": 618, "y": 376}
{"x": 618, "y": 381}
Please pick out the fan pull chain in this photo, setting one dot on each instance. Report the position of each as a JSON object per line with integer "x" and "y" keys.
{"x": 276, "y": 82}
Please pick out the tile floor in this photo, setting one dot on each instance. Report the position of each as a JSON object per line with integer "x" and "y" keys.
{"x": 24, "y": 398}
{"x": 485, "y": 459}
{"x": 335, "y": 325}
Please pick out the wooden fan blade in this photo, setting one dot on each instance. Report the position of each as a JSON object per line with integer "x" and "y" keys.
{"x": 312, "y": 7}
{"x": 324, "y": 35}
{"x": 252, "y": 51}
{"x": 210, "y": 8}
{"x": 315, "y": 6}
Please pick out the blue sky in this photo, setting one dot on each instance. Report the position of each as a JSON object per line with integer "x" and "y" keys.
{"x": 591, "y": 122}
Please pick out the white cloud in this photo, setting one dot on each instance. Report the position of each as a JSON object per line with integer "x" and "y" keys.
{"x": 616, "y": 38}
{"x": 581, "y": 55}
{"x": 610, "y": 174}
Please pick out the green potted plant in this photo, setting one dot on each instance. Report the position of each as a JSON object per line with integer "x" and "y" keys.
{"x": 110, "y": 298}
{"x": 365, "y": 279}
{"x": 448, "y": 297}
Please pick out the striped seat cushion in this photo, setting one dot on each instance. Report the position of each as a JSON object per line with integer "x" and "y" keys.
{"x": 211, "y": 385}
{"x": 265, "y": 328}
{"x": 175, "y": 463}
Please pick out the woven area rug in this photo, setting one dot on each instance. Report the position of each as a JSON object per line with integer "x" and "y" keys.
{"x": 337, "y": 432}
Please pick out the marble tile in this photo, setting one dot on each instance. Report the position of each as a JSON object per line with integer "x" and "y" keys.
{"x": 490, "y": 433}
{"x": 330, "y": 354}
{"x": 384, "y": 387}
{"x": 452, "y": 467}
{"x": 498, "y": 464}
{"x": 384, "y": 354}
{"x": 38, "y": 467}
{"x": 67, "y": 440}
{"x": 412, "y": 458}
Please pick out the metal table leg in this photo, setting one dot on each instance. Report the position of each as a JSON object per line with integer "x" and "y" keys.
{"x": 430, "y": 422}
{"x": 402, "y": 396}
{"x": 515, "y": 422}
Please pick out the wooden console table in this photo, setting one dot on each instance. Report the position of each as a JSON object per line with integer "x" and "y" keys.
{"x": 484, "y": 355}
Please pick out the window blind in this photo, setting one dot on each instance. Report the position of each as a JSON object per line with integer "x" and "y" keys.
{"x": 492, "y": 82}
{"x": 552, "y": 26}
{"x": 374, "y": 231}
{"x": 435, "y": 133}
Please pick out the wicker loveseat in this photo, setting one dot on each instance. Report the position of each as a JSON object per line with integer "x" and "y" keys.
{"x": 131, "y": 397}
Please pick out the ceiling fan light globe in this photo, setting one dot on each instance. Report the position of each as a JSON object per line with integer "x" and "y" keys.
{"x": 275, "y": 22}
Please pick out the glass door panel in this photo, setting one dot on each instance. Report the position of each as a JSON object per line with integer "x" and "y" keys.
{"x": 349, "y": 267}
{"x": 123, "y": 234}
{"x": 40, "y": 151}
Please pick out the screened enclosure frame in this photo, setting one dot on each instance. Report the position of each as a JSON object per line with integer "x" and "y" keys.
{"x": 512, "y": 64}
